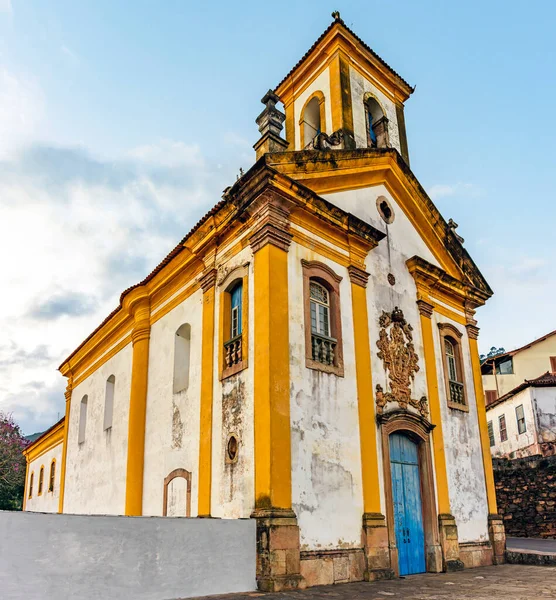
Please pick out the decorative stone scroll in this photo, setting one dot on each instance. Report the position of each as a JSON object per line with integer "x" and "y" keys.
{"x": 399, "y": 358}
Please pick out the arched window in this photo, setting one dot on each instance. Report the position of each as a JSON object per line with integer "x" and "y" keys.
{"x": 323, "y": 330}
{"x": 41, "y": 480}
{"x": 82, "y": 419}
{"x": 377, "y": 124}
{"x": 52, "y": 475}
{"x": 312, "y": 121}
{"x": 109, "y": 402}
{"x": 234, "y": 306}
{"x": 236, "y": 310}
{"x": 31, "y": 485}
{"x": 450, "y": 338}
{"x": 182, "y": 351}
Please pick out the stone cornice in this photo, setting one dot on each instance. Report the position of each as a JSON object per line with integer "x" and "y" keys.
{"x": 425, "y": 309}
{"x": 271, "y": 222}
{"x": 358, "y": 276}
{"x": 208, "y": 279}
{"x": 472, "y": 331}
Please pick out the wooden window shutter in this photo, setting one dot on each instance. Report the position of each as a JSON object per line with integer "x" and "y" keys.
{"x": 553, "y": 364}
{"x": 491, "y": 396}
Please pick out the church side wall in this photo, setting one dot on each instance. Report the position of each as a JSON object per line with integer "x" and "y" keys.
{"x": 47, "y": 501}
{"x": 326, "y": 463}
{"x": 233, "y": 483}
{"x": 96, "y": 468}
{"x": 359, "y": 86}
{"x": 172, "y": 422}
{"x": 466, "y": 481}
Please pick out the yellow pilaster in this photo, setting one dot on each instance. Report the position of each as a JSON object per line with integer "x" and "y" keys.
{"x": 365, "y": 397}
{"x": 340, "y": 95}
{"x": 207, "y": 381}
{"x": 272, "y": 367}
{"x": 65, "y": 445}
{"x": 425, "y": 311}
{"x": 472, "y": 334}
{"x": 290, "y": 124}
{"x": 137, "y": 302}
{"x": 25, "y": 490}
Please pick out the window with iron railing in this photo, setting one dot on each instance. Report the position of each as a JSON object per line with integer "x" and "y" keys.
{"x": 323, "y": 345}
{"x": 455, "y": 386}
{"x": 233, "y": 347}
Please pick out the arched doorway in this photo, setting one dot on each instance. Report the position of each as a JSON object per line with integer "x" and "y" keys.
{"x": 408, "y": 506}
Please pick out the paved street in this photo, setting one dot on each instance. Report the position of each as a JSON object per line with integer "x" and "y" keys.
{"x": 510, "y": 582}
{"x": 544, "y": 546}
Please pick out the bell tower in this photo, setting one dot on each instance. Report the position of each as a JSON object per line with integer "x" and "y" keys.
{"x": 342, "y": 95}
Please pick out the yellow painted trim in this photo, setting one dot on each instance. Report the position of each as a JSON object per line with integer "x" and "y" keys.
{"x": 52, "y": 462}
{"x": 26, "y": 485}
{"x": 176, "y": 301}
{"x": 483, "y": 428}
{"x": 65, "y": 447}
{"x": 103, "y": 359}
{"x": 336, "y": 93}
{"x": 312, "y": 244}
{"x": 449, "y": 314}
{"x": 207, "y": 379}
{"x": 290, "y": 125}
{"x": 40, "y": 486}
{"x": 272, "y": 379}
{"x": 245, "y": 319}
{"x": 32, "y": 476}
{"x": 46, "y": 442}
{"x": 365, "y": 401}
{"x": 436, "y": 417}
{"x": 139, "y": 307}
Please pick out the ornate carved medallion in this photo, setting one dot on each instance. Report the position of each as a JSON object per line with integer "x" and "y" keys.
{"x": 400, "y": 362}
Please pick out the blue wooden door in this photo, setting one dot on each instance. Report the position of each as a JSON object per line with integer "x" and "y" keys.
{"x": 408, "y": 510}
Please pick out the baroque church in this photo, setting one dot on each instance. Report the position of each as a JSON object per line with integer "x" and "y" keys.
{"x": 306, "y": 356}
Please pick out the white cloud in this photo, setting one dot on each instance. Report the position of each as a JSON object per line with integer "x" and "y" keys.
{"x": 441, "y": 190}
{"x": 75, "y": 232}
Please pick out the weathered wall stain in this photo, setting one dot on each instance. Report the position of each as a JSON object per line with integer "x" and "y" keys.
{"x": 177, "y": 426}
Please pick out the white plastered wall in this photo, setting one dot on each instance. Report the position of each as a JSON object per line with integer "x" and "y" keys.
{"x": 462, "y": 446}
{"x": 233, "y": 484}
{"x": 322, "y": 84}
{"x": 326, "y": 456}
{"x": 359, "y": 86}
{"x": 172, "y": 422}
{"x": 47, "y": 501}
{"x": 517, "y": 444}
{"x": 96, "y": 469}
{"x": 545, "y": 402}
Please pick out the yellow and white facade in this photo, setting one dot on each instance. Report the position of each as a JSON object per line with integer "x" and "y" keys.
{"x": 260, "y": 371}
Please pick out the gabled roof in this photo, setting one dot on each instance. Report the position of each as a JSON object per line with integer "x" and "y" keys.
{"x": 546, "y": 380}
{"x": 48, "y": 439}
{"x": 501, "y": 357}
{"x": 342, "y": 28}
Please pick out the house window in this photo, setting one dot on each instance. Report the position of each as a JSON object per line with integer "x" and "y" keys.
{"x": 323, "y": 332}
{"x": 109, "y": 402}
{"x": 41, "y": 480}
{"x": 491, "y": 396}
{"x": 82, "y": 419}
{"x": 553, "y": 364}
{"x": 182, "y": 356}
{"x": 31, "y": 485}
{"x": 505, "y": 367}
{"x": 52, "y": 476}
{"x": 520, "y": 416}
{"x": 490, "y": 434}
{"x": 233, "y": 322}
{"x": 377, "y": 123}
{"x": 450, "y": 338}
{"x": 503, "y": 430}
{"x": 312, "y": 119}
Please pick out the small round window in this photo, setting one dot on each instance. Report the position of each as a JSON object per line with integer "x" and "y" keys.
{"x": 385, "y": 209}
{"x": 232, "y": 448}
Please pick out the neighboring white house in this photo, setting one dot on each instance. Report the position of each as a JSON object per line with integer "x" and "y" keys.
{"x": 523, "y": 421}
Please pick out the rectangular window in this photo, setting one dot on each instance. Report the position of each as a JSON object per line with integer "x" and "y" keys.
{"x": 553, "y": 364}
{"x": 503, "y": 430}
{"x": 491, "y": 433}
{"x": 506, "y": 367}
{"x": 491, "y": 396}
{"x": 520, "y": 416}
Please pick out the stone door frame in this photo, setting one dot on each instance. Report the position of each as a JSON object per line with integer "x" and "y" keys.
{"x": 169, "y": 478}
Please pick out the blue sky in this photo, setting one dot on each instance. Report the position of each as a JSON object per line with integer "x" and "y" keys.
{"x": 122, "y": 122}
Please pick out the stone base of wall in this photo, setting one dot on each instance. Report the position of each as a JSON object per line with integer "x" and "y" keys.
{"x": 476, "y": 555}
{"x": 332, "y": 566}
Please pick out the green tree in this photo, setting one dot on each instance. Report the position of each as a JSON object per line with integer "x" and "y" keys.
{"x": 12, "y": 463}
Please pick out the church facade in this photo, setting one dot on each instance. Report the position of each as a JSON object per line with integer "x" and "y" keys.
{"x": 306, "y": 356}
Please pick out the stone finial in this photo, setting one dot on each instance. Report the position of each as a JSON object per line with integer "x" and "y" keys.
{"x": 270, "y": 123}
{"x": 336, "y": 15}
{"x": 452, "y": 225}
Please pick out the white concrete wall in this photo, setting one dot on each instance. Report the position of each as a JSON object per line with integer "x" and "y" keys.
{"x": 326, "y": 456}
{"x": 96, "y": 469}
{"x": 322, "y": 84}
{"x": 233, "y": 484}
{"x": 517, "y": 444}
{"x": 359, "y": 86}
{"x": 62, "y": 557}
{"x": 545, "y": 401}
{"x": 47, "y": 501}
{"x": 462, "y": 446}
{"x": 172, "y": 424}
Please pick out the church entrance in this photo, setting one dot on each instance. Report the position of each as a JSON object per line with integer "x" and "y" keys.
{"x": 407, "y": 504}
